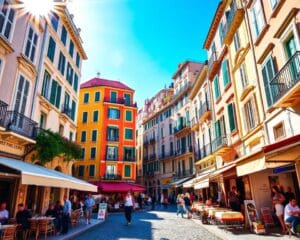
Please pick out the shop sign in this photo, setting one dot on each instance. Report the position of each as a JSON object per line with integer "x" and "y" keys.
{"x": 165, "y": 181}
{"x": 11, "y": 148}
{"x": 102, "y": 211}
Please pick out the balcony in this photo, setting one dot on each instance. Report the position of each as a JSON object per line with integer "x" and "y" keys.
{"x": 67, "y": 111}
{"x": 285, "y": 86}
{"x": 111, "y": 157}
{"x": 185, "y": 173}
{"x": 194, "y": 124}
{"x": 204, "y": 112}
{"x": 112, "y": 138}
{"x": 234, "y": 18}
{"x": 181, "y": 91}
{"x": 166, "y": 155}
{"x": 3, "y": 110}
{"x": 221, "y": 145}
{"x": 129, "y": 159}
{"x": 213, "y": 65}
{"x": 112, "y": 176}
{"x": 181, "y": 151}
{"x": 182, "y": 129}
{"x": 121, "y": 101}
{"x": 20, "y": 124}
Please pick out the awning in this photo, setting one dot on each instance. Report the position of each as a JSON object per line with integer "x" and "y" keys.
{"x": 189, "y": 183}
{"x": 120, "y": 187}
{"x": 180, "y": 182}
{"x": 202, "y": 184}
{"x": 222, "y": 170}
{"x": 32, "y": 174}
{"x": 256, "y": 163}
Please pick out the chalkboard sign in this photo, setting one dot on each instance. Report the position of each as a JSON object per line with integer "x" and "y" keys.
{"x": 266, "y": 214}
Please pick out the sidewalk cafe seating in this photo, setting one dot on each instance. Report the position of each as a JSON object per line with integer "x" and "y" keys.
{"x": 33, "y": 228}
{"x": 9, "y": 232}
{"x": 45, "y": 226}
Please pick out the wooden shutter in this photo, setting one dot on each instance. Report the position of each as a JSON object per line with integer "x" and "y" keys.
{"x": 58, "y": 94}
{"x": 53, "y": 91}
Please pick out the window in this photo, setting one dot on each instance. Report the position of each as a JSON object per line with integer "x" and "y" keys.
{"x": 95, "y": 116}
{"x": 97, "y": 96}
{"x": 250, "y": 115}
{"x": 128, "y": 115}
{"x": 170, "y": 129}
{"x": 7, "y": 16}
{"x": 221, "y": 32}
{"x": 128, "y": 133}
{"x": 112, "y": 134}
{"x": 94, "y": 135}
{"x": 86, "y": 98}
{"x": 92, "y": 170}
{"x": 81, "y": 171}
{"x": 84, "y": 117}
{"x": 63, "y": 36}
{"x": 110, "y": 170}
{"x": 73, "y": 110}
{"x": 93, "y": 152}
{"x": 258, "y": 20}
{"x": 236, "y": 41}
{"x": 83, "y": 136}
{"x": 71, "y": 136}
{"x": 21, "y": 95}
{"x": 231, "y": 117}
{"x": 127, "y": 99}
{"x": 279, "y": 131}
{"x": 46, "y": 85}
{"x": 54, "y": 20}
{"x": 216, "y": 88}
{"x": 71, "y": 48}
{"x": 111, "y": 153}
{"x": 75, "y": 85}
{"x": 66, "y": 103}
{"x": 43, "y": 119}
{"x": 268, "y": 74}
{"x": 243, "y": 75}
{"x": 82, "y": 154}
{"x": 113, "y": 97}
{"x": 70, "y": 74}
{"x": 225, "y": 72}
{"x": 129, "y": 154}
{"x": 77, "y": 60}
{"x": 113, "y": 113}
{"x": 61, "y": 63}
{"x": 51, "y": 49}
{"x": 127, "y": 171}
{"x": 171, "y": 148}
{"x": 273, "y": 3}
{"x": 55, "y": 93}
{"x": 31, "y": 44}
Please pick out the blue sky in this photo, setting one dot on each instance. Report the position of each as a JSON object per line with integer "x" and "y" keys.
{"x": 141, "y": 42}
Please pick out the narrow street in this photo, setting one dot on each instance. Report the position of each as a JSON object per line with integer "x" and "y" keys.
{"x": 158, "y": 225}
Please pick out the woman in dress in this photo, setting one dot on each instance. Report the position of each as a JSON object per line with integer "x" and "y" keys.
{"x": 278, "y": 200}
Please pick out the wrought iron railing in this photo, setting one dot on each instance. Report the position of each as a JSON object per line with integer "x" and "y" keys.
{"x": 3, "y": 110}
{"x": 212, "y": 59}
{"x": 182, "y": 126}
{"x": 66, "y": 110}
{"x": 230, "y": 16}
{"x": 119, "y": 101}
{"x": 166, "y": 155}
{"x": 20, "y": 124}
{"x": 204, "y": 107}
{"x": 219, "y": 142}
{"x": 286, "y": 78}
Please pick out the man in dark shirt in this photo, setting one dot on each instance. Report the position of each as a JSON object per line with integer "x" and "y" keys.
{"x": 22, "y": 216}
{"x": 288, "y": 195}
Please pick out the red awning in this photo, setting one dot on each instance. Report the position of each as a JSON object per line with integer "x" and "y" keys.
{"x": 120, "y": 187}
{"x": 282, "y": 143}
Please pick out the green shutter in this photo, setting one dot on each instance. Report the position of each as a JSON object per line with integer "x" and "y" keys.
{"x": 218, "y": 128}
{"x": 95, "y": 116}
{"x": 58, "y": 93}
{"x": 128, "y": 133}
{"x": 51, "y": 49}
{"x": 127, "y": 170}
{"x": 113, "y": 97}
{"x": 75, "y": 85}
{"x": 231, "y": 117}
{"x": 216, "y": 88}
{"x": 73, "y": 110}
{"x": 225, "y": 72}
{"x": 128, "y": 116}
{"x": 53, "y": 91}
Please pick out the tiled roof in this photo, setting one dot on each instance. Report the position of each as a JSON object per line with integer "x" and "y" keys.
{"x": 94, "y": 82}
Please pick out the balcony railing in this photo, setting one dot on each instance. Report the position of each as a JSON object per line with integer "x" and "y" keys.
{"x": 119, "y": 101}
{"x": 112, "y": 138}
{"x": 181, "y": 89}
{"x": 129, "y": 159}
{"x": 206, "y": 150}
{"x": 219, "y": 142}
{"x": 180, "y": 151}
{"x": 185, "y": 173}
{"x": 166, "y": 155}
{"x": 286, "y": 78}
{"x": 111, "y": 176}
{"x": 111, "y": 158}
{"x": 180, "y": 127}
{"x": 205, "y": 107}
{"x": 212, "y": 59}
{"x": 20, "y": 124}
{"x": 66, "y": 110}
{"x": 3, "y": 110}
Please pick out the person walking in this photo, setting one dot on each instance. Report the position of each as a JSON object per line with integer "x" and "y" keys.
{"x": 89, "y": 203}
{"x": 128, "y": 204}
{"x": 180, "y": 205}
{"x": 188, "y": 204}
{"x": 278, "y": 200}
{"x": 67, "y": 208}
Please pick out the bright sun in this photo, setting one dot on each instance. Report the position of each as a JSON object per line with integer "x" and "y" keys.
{"x": 38, "y": 7}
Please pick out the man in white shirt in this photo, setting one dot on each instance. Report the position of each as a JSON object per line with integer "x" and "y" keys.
{"x": 3, "y": 213}
{"x": 128, "y": 203}
{"x": 292, "y": 214}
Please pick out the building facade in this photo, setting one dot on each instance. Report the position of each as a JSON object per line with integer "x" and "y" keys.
{"x": 106, "y": 131}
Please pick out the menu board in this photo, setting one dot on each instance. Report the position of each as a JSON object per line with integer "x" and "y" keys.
{"x": 266, "y": 214}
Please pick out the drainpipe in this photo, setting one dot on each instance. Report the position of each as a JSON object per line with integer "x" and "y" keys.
{"x": 256, "y": 70}
{"x": 38, "y": 77}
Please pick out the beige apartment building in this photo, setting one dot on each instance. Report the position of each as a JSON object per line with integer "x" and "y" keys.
{"x": 34, "y": 83}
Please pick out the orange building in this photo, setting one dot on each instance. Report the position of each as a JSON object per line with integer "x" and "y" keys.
{"x": 106, "y": 131}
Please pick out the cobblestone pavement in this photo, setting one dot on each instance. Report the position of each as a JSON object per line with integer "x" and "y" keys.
{"x": 156, "y": 225}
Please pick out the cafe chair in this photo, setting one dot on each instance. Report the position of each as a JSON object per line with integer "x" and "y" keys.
{"x": 45, "y": 227}
{"x": 9, "y": 233}
{"x": 34, "y": 228}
